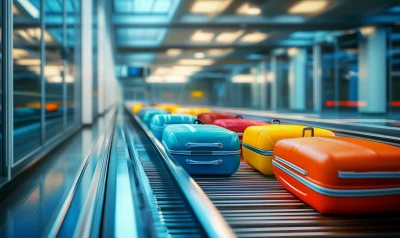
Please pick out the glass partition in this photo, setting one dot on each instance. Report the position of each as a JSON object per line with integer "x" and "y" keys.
{"x": 27, "y": 70}
{"x": 54, "y": 68}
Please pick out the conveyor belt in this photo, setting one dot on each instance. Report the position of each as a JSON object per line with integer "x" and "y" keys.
{"x": 174, "y": 211}
{"x": 255, "y": 205}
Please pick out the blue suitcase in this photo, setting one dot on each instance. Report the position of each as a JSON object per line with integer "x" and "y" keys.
{"x": 160, "y": 121}
{"x": 148, "y": 114}
{"x": 203, "y": 149}
{"x": 146, "y": 109}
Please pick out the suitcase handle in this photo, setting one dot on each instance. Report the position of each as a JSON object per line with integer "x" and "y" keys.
{"x": 212, "y": 162}
{"x": 308, "y": 129}
{"x": 202, "y": 145}
{"x": 238, "y": 117}
{"x": 276, "y": 121}
{"x": 198, "y": 121}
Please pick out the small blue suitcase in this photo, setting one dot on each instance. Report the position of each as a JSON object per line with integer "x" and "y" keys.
{"x": 203, "y": 149}
{"x": 160, "y": 121}
{"x": 146, "y": 109}
{"x": 149, "y": 114}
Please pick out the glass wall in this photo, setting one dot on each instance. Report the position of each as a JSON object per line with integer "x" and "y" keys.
{"x": 54, "y": 68}
{"x": 27, "y": 77}
{"x": 1, "y": 86}
{"x": 40, "y": 74}
{"x": 95, "y": 49}
{"x": 283, "y": 81}
{"x": 73, "y": 61}
{"x": 394, "y": 72}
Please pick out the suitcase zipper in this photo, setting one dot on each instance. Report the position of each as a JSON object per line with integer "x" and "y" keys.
{"x": 212, "y": 162}
{"x": 202, "y": 145}
{"x": 337, "y": 192}
{"x": 209, "y": 153}
{"x": 258, "y": 151}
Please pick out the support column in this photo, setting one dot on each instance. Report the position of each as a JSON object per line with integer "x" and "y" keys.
{"x": 297, "y": 81}
{"x": 317, "y": 79}
{"x": 254, "y": 88}
{"x": 101, "y": 66}
{"x": 263, "y": 85}
{"x": 274, "y": 83}
{"x": 372, "y": 78}
{"x": 87, "y": 60}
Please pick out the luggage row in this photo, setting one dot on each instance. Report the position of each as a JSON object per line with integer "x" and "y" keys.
{"x": 332, "y": 174}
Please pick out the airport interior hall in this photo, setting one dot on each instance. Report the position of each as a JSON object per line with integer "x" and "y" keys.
{"x": 199, "y": 118}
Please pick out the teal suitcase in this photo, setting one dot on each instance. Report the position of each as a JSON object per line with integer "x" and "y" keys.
{"x": 148, "y": 114}
{"x": 203, "y": 149}
{"x": 161, "y": 121}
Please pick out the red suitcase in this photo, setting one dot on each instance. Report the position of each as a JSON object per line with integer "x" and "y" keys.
{"x": 210, "y": 117}
{"x": 340, "y": 175}
{"x": 238, "y": 126}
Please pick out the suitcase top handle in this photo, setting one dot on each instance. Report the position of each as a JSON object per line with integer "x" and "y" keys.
{"x": 276, "y": 121}
{"x": 239, "y": 117}
{"x": 197, "y": 121}
{"x": 308, "y": 129}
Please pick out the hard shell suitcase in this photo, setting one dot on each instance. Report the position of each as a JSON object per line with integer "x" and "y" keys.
{"x": 136, "y": 108}
{"x": 159, "y": 122}
{"x": 194, "y": 111}
{"x": 210, "y": 117}
{"x": 149, "y": 114}
{"x": 340, "y": 175}
{"x": 259, "y": 141}
{"x": 203, "y": 149}
{"x": 237, "y": 125}
{"x": 168, "y": 107}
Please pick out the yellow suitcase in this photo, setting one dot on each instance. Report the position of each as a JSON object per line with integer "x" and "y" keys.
{"x": 136, "y": 108}
{"x": 170, "y": 107}
{"x": 259, "y": 141}
{"x": 194, "y": 111}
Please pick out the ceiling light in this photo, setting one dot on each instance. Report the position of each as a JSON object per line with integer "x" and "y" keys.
{"x": 160, "y": 71}
{"x": 219, "y": 52}
{"x": 254, "y": 37}
{"x": 210, "y": 6}
{"x": 15, "y": 10}
{"x": 154, "y": 79}
{"x": 202, "y": 36}
{"x": 52, "y": 70}
{"x": 167, "y": 79}
{"x": 174, "y": 52}
{"x": 293, "y": 51}
{"x": 309, "y": 7}
{"x": 228, "y": 37}
{"x": 30, "y": 8}
{"x": 186, "y": 68}
{"x": 243, "y": 78}
{"x": 175, "y": 79}
{"x": 270, "y": 76}
{"x": 54, "y": 79}
{"x": 247, "y": 9}
{"x": 28, "y": 62}
{"x": 367, "y": 30}
{"x": 199, "y": 62}
{"x": 19, "y": 53}
{"x": 199, "y": 55}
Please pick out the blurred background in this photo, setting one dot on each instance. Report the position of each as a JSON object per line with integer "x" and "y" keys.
{"x": 323, "y": 58}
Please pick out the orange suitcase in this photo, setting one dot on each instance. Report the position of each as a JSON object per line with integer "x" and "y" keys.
{"x": 340, "y": 175}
